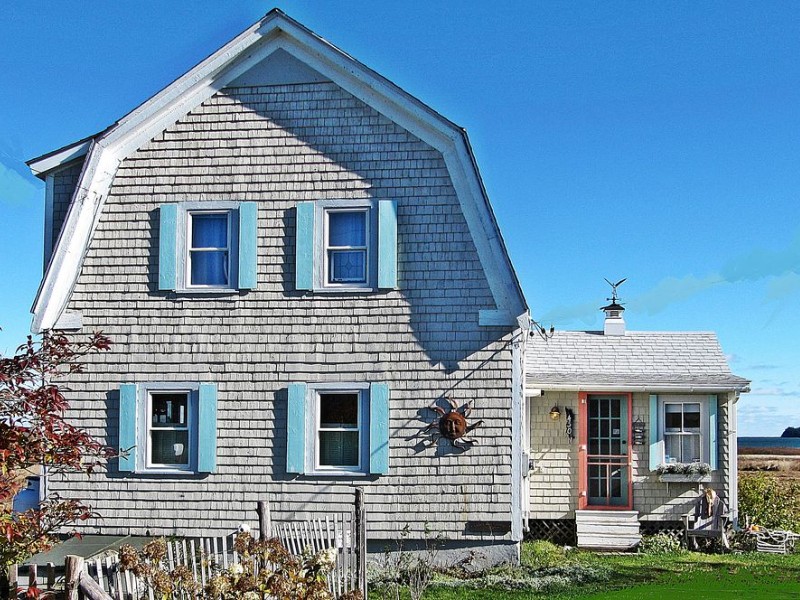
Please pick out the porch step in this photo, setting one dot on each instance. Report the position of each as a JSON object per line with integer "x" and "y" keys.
{"x": 607, "y": 529}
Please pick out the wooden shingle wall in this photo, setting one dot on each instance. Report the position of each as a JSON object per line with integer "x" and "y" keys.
{"x": 553, "y": 483}
{"x": 276, "y": 146}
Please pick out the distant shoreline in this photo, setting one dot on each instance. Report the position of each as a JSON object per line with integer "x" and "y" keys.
{"x": 769, "y": 451}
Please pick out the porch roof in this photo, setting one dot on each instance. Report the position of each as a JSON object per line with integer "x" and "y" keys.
{"x": 636, "y": 361}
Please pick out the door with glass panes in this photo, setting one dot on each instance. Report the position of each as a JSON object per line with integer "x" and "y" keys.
{"x": 604, "y": 451}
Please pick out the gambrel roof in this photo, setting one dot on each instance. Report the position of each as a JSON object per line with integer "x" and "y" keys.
{"x": 636, "y": 361}
{"x": 104, "y": 152}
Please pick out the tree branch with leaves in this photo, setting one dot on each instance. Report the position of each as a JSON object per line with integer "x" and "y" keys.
{"x": 35, "y": 433}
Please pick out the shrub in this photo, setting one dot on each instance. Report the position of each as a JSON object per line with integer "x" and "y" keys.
{"x": 660, "y": 543}
{"x": 542, "y": 555}
{"x": 770, "y": 502}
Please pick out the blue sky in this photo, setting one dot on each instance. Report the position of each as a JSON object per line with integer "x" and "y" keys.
{"x": 658, "y": 142}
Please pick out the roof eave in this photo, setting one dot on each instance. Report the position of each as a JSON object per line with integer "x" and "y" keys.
{"x": 652, "y": 388}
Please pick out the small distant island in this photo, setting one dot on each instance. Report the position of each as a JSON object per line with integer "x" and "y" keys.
{"x": 791, "y": 432}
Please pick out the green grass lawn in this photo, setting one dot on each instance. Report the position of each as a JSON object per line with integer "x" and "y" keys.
{"x": 584, "y": 575}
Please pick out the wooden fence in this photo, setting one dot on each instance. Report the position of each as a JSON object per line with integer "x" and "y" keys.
{"x": 100, "y": 578}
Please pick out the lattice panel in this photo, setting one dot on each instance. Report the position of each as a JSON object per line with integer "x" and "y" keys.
{"x": 559, "y": 531}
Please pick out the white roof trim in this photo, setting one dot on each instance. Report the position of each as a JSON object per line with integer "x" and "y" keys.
{"x": 650, "y": 388}
{"x": 48, "y": 162}
{"x": 274, "y": 31}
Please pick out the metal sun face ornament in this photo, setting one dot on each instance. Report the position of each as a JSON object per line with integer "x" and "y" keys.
{"x": 452, "y": 424}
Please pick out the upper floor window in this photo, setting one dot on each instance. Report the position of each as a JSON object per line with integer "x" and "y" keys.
{"x": 208, "y": 246}
{"x": 208, "y": 261}
{"x": 346, "y": 247}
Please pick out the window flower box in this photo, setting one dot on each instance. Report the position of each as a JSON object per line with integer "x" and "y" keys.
{"x": 684, "y": 478}
{"x": 684, "y": 472}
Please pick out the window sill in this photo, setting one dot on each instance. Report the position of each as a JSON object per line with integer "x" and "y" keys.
{"x": 344, "y": 290}
{"x": 208, "y": 292}
{"x": 684, "y": 478}
{"x": 338, "y": 474}
{"x": 181, "y": 472}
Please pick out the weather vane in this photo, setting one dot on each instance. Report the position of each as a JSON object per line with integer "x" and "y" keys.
{"x": 614, "y": 298}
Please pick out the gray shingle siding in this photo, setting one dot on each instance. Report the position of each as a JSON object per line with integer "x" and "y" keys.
{"x": 276, "y": 146}
{"x": 64, "y": 182}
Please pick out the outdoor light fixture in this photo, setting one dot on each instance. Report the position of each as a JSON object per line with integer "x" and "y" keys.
{"x": 555, "y": 414}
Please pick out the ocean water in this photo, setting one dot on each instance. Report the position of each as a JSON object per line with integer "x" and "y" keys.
{"x": 767, "y": 442}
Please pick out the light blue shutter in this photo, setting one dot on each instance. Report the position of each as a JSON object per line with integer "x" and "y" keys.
{"x": 207, "y": 428}
{"x": 167, "y": 247}
{"x": 387, "y": 244}
{"x": 296, "y": 429}
{"x": 379, "y": 428}
{"x": 248, "y": 245}
{"x": 712, "y": 432}
{"x": 127, "y": 426}
{"x": 656, "y": 444}
{"x": 304, "y": 242}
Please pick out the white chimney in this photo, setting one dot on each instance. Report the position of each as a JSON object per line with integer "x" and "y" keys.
{"x": 614, "y": 323}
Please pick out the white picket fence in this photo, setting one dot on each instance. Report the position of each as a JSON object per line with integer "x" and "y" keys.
{"x": 205, "y": 557}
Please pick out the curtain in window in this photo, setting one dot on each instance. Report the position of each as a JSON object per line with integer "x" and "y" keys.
{"x": 209, "y": 253}
{"x": 347, "y": 229}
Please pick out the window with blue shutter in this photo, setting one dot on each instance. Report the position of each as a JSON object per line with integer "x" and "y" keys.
{"x": 683, "y": 429}
{"x": 346, "y": 245}
{"x": 127, "y": 427}
{"x": 168, "y": 427}
{"x": 337, "y": 429}
{"x": 208, "y": 246}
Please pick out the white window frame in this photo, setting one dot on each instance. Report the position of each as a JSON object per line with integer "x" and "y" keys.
{"x": 328, "y": 249}
{"x": 184, "y": 235}
{"x": 321, "y": 277}
{"x": 187, "y": 259}
{"x": 313, "y": 466}
{"x": 663, "y": 401}
{"x": 144, "y": 426}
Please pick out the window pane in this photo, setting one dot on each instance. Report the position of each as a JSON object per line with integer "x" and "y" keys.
{"x": 672, "y": 448}
{"x": 690, "y": 448}
{"x": 169, "y": 447}
{"x": 209, "y": 268}
{"x": 348, "y": 265}
{"x": 347, "y": 228}
{"x": 691, "y": 417}
{"x": 209, "y": 231}
{"x": 338, "y": 410}
{"x": 169, "y": 409}
{"x": 338, "y": 448}
{"x": 673, "y": 417}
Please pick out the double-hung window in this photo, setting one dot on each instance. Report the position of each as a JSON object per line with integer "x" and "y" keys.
{"x": 167, "y": 434}
{"x": 346, "y": 247}
{"x": 168, "y": 427}
{"x": 683, "y": 429}
{"x": 208, "y": 247}
{"x": 208, "y": 251}
{"x": 682, "y": 432}
{"x": 337, "y": 429}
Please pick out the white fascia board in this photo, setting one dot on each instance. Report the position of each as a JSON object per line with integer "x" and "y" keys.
{"x": 62, "y": 157}
{"x": 73, "y": 241}
{"x": 518, "y": 488}
{"x": 673, "y": 388}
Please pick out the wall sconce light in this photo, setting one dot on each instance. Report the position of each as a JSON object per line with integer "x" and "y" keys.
{"x": 555, "y": 414}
